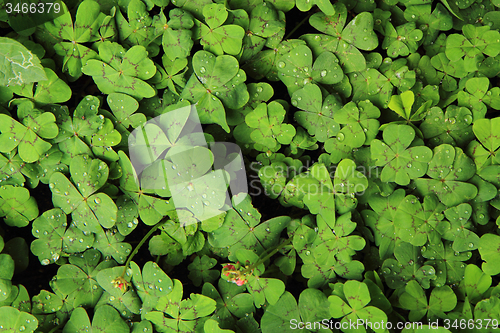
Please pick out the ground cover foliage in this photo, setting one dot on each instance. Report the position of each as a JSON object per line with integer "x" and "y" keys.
{"x": 370, "y": 137}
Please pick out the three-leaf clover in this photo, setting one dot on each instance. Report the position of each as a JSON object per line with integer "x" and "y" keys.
{"x": 476, "y": 96}
{"x": 485, "y": 131}
{"x": 217, "y": 37}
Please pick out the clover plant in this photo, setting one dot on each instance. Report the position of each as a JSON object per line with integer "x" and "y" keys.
{"x": 271, "y": 166}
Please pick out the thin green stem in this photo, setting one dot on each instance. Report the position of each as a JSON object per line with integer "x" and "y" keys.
{"x": 143, "y": 240}
{"x": 272, "y": 253}
{"x": 297, "y": 26}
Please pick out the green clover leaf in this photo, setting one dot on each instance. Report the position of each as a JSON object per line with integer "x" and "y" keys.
{"x": 360, "y": 126}
{"x": 19, "y": 65}
{"x": 448, "y": 264}
{"x": 72, "y": 35}
{"x": 485, "y": 132}
{"x": 79, "y": 278}
{"x": 370, "y": 84}
{"x": 151, "y": 209}
{"x": 122, "y": 71}
{"x": 89, "y": 210}
{"x": 27, "y": 138}
{"x": 461, "y": 229}
{"x": 17, "y": 207}
{"x": 262, "y": 289}
{"x": 338, "y": 242}
{"x": 123, "y": 108}
{"x": 183, "y": 315}
{"x": 53, "y": 237}
{"x": 151, "y": 284}
{"x": 6, "y": 274}
{"x": 216, "y": 37}
{"x": 110, "y": 244}
{"x": 171, "y": 75}
{"x": 488, "y": 245}
{"x": 449, "y": 168}
{"x": 474, "y": 42}
{"x": 451, "y": 127}
{"x": 17, "y": 321}
{"x": 442, "y": 300}
{"x": 381, "y": 220}
{"x": 475, "y": 283}
{"x": 318, "y": 114}
{"x": 358, "y": 34}
{"x": 241, "y": 228}
{"x": 402, "y": 40}
{"x": 402, "y": 105}
{"x": 430, "y": 21}
{"x": 312, "y": 307}
{"x": 296, "y": 68}
{"x": 215, "y": 83}
{"x": 232, "y": 302}
{"x": 84, "y": 123}
{"x": 177, "y": 37}
{"x": 105, "y": 319}
{"x": 400, "y": 164}
{"x": 264, "y": 27}
{"x": 419, "y": 223}
{"x": 264, "y": 63}
{"x": 139, "y": 29}
{"x": 408, "y": 266}
{"x": 199, "y": 270}
{"x": 46, "y": 302}
{"x": 269, "y": 130}
{"x": 478, "y": 96}
{"x": 354, "y": 305}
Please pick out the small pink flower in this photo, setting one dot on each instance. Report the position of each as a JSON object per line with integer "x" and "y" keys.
{"x": 240, "y": 282}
